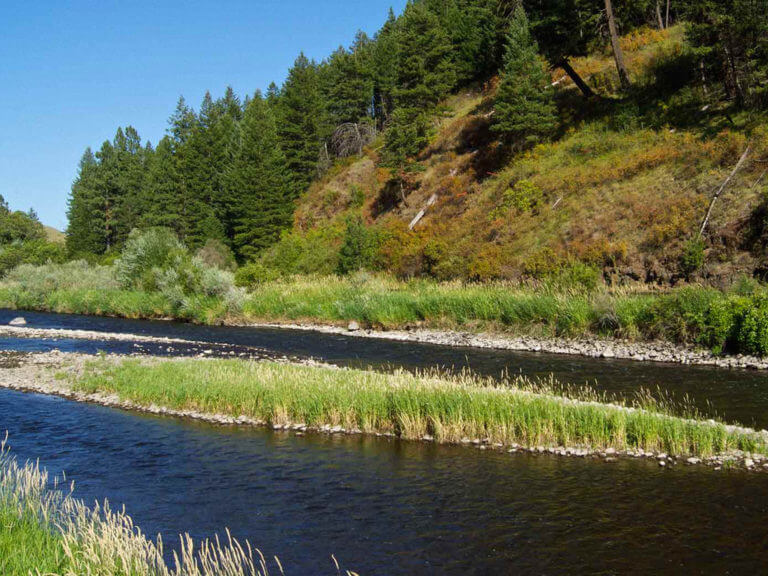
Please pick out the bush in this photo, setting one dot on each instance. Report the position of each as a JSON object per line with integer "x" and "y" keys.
{"x": 30, "y": 252}
{"x": 523, "y": 197}
{"x": 752, "y": 332}
{"x": 145, "y": 254}
{"x": 216, "y": 254}
{"x": 253, "y": 274}
{"x": 692, "y": 258}
{"x": 358, "y": 248}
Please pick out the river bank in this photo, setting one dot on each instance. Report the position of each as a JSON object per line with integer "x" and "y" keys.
{"x": 690, "y": 324}
{"x": 655, "y": 351}
{"x": 514, "y": 416}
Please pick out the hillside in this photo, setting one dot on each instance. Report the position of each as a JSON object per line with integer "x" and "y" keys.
{"x": 54, "y": 235}
{"x": 623, "y": 187}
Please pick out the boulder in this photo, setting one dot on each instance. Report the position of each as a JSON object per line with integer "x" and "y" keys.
{"x": 20, "y": 321}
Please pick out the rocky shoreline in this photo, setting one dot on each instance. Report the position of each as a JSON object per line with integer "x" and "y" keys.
{"x": 654, "y": 351}
{"x": 52, "y": 373}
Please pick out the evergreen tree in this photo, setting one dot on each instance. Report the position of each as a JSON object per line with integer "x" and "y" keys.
{"x": 181, "y": 124}
{"x": 207, "y": 156}
{"x": 425, "y": 75}
{"x": 730, "y": 38}
{"x": 384, "y": 69}
{"x": 163, "y": 192}
{"x": 348, "y": 85}
{"x": 425, "y": 68}
{"x": 524, "y": 108}
{"x": 259, "y": 182}
{"x": 85, "y": 212}
{"x": 300, "y": 115}
{"x": 564, "y": 29}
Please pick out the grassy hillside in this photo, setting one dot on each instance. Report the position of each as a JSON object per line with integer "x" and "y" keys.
{"x": 623, "y": 188}
{"x": 54, "y": 235}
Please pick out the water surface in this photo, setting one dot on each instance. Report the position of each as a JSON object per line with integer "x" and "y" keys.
{"x": 387, "y": 507}
{"x": 735, "y": 395}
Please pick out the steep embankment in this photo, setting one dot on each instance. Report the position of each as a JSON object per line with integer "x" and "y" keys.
{"x": 623, "y": 187}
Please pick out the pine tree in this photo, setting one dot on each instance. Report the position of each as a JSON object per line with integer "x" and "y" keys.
{"x": 85, "y": 212}
{"x": 300, "y": 115}
{"x": 207, "y": 157}
{"x": 129, "y": 168}
{"x": 425, "y": 75}
{"x": 258, "y": 182}
{"x": 384, "y": 69}
{"x": 524, "y": 110}
{"x": 180, "y": 127}
{"x": 425, "y": 68}
{"x": 348, "y": 86}
{"x": 162, "y": 191}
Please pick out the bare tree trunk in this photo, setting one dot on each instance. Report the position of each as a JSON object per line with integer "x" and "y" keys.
{"x": 617, "y": 53}
{"x": 666, "y": 23}
{"x": 720, "y": 190}
{"x": 568, "y": 69}
{"x": 658, "y": 15}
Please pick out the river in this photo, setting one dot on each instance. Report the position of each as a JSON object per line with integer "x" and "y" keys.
{"x": 390, "y": 507}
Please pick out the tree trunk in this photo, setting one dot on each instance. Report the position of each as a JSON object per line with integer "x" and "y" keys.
{"x": 666, "y": 23}
{"x": 617, "y": 53}
{"x": 568, "y": 69}
{"x": 658, "y": 15}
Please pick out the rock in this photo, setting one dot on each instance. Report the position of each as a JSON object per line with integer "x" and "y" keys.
{"x": 610, "y": 451}
{"x": 353, "y": 326}
{"x": 693, "y": 460}
{"x": 748, "y": 462}
{"x": 611, "y": 459}
{"x": 662, "y": 463}
{"x": 20, "y": 321}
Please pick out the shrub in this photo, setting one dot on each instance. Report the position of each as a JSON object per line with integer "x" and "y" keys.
{"x": 253, "y": 274}
{"x": 523, "y": 197}
{"x": 216, "y": 254}
{"x": 692, "y": 258}
{"x": 752, "y": 332}
{"x": 358, "y": 247}
{"x": 145, "y": 253}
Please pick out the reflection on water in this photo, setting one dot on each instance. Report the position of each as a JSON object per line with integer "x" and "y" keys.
{"x": 389, "y": 507}
{"x": 736, "y": 395}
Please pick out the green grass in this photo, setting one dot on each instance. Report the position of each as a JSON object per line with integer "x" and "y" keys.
{"x": 27, "y": 544}
{"x": 734, "y": 321}
{"x": 411, "y": 406}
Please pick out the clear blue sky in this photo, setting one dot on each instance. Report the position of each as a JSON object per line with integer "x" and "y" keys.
{"x": 72, "y": 72}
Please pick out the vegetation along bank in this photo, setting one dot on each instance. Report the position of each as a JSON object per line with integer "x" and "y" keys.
{"x": 512, "y": 415}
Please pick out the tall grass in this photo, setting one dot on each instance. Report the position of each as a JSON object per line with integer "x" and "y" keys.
{"x": 451, "y": 409}
{"x": 723, "y": 321}
{"x": 45, "y": 530}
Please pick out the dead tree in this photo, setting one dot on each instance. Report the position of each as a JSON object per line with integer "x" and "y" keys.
{"x": 350, "y": 138}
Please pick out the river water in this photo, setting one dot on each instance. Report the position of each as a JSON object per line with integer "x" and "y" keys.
{"x": 389, "y": 507}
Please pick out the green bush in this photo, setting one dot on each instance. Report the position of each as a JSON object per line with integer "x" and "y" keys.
{"x": 216, "y": 254}
{"x": 358, "y": 248}
{"x": 752, "y": 331}
{"x": 253, "y": 274}
{"x": 145, "y": 254}
{"x": 692, "y": 258}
